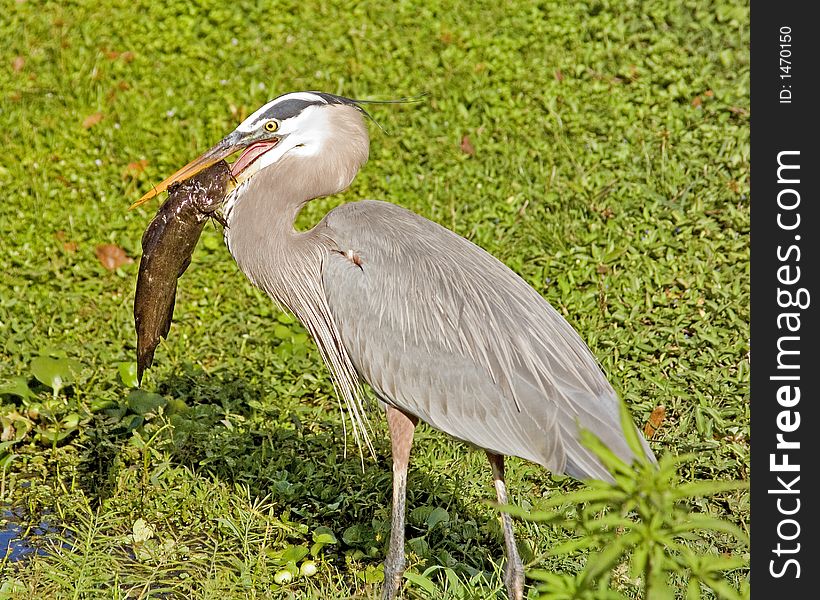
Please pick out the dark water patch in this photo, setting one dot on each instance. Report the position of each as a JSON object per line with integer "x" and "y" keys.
{"x": 18, "y": 537}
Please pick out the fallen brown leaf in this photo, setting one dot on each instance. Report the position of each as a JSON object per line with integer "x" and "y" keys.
{"x": 18, "y": 63}
{"x": 70, "y": 247}
{"x": 133, "y": 169}
{"x": 655, "y": 421}
{"x": 62, "y": 180}
{"x": 92, "y": 120}
{"x": 111, "y": 256}
{"x": 467, "y": 146}
{"x": 559, "y": 76}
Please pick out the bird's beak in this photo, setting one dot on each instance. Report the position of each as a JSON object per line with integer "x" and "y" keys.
{"x": 226, "y": 147}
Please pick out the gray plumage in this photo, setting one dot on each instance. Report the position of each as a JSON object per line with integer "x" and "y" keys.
{"x": 437, "y": 326}
{"x": 442, "y": 331}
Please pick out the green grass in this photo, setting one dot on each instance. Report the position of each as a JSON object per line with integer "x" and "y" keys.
{"x": 611, "y": 170}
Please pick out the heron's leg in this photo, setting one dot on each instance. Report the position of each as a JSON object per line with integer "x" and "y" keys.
{"x": 402, "y": 427}
{"x": 514, "y": 571}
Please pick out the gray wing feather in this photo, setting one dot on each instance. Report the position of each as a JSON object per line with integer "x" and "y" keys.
{"x": 443, "y": 330}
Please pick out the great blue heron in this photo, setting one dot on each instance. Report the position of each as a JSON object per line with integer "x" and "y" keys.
{"x": 442, "y": 331}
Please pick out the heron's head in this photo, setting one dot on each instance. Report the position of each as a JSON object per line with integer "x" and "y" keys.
{"x": 327, "y": 130}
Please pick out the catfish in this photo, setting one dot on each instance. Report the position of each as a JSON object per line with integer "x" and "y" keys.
{"x": 167, "y": 246}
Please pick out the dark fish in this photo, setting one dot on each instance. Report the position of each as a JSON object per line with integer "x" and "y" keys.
{"x": 167, "y": 246}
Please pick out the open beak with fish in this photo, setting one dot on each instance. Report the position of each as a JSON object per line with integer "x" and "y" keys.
{"x": 196, "y": 193}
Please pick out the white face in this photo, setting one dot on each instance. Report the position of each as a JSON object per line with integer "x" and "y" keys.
{"x": 303, "y": 134}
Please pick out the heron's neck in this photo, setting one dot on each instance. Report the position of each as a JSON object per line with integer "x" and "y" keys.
{"x": 260, "y": 215}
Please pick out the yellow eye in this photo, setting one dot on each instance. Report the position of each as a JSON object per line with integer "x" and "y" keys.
{"x": 271, "y": 126}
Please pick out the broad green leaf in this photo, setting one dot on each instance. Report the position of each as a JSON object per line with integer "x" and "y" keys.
{"x": 294, "y": 553}
{"x": 131, "y": 422}
{"x": 142, "y": 402}
{"x": 52, "y": 435}
{"x": 98, "y": 404}
{"x": 355, "y": 534}
{"x": 421, "y": 581}
{"x": 436, "y": 516}
{"x": 128, "y": 373}
{"x": 71, "y": 420}
{"x": 176, "y": 406}
{"x": 17, "y": 386}
{"x": 324, "y": 535}
{"x": 54, "y": 372}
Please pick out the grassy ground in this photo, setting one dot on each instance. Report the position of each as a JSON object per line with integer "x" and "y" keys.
{"x": 600, "y": 149}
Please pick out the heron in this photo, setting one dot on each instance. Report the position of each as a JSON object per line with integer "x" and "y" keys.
{"x": 441, "y": 331}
